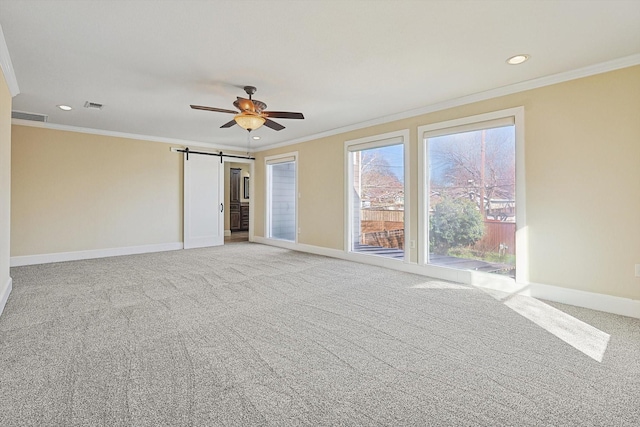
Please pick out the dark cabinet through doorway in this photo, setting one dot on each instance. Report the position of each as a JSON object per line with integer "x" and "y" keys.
{"x": 238, "y": 210}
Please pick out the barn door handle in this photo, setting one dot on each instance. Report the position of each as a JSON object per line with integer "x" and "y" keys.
{"x": 221, "y": 207}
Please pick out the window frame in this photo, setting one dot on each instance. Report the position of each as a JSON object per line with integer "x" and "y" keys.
{"x": 465, "y": 124}
{"x": 366, "y": 143}
{"x": 272, "y": 160}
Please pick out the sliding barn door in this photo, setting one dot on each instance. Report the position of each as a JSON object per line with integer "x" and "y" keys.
{"x": 203, "y": 201}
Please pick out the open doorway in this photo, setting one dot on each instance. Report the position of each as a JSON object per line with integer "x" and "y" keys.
{"x": 237, "y": 184}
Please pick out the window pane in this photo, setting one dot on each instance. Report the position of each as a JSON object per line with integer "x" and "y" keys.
{"x": 378, "y": 201}
{"x": 282, "y": 203}
{"x": 472, "y": 200}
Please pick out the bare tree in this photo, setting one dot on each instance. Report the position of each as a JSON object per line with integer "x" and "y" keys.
{"x": 380, "y": 186}
{"x": 479, "y": 165}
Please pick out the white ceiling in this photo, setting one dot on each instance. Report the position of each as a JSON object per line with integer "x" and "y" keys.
{"x": 339, "y": 62}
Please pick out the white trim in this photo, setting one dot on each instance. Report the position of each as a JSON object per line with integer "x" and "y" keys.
{"x": 591, "y": 300}
{"x": 4, "y": 296}
{"x": 281, "y": 158}
{"x": 423, "y": 225}
{"x": 17, "y": 261}
{"x": 274, "y": 160}
{"x": 7, "y": 66}
{"x": 480, "y": 119}
{"x": 270, "y": 161}
{"x": 522, "y": 229}
{"x": 464, "y": 125}
{"x": 595, "y": 301}
{"x": 604, "y": 67}
{"x": 408, "y": 226}
{"x": 347, "y": 238}
{"x": 371, "y": 142}
{"x": 300, "y": 247}
{"x": 138, "y": 137}
{"x": 522, "y": 265}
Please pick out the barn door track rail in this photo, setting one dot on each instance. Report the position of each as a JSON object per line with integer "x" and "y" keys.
{"x": 187, "y": 151}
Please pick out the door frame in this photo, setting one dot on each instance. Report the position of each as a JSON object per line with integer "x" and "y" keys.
{"x": 252, "y": 187}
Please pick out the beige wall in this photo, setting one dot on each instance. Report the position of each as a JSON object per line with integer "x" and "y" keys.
{"x": 582, "y": 155}
{"x": 5, "y": 182}
{"x": 227, "y": 186}
{"x": 75, "y": 192}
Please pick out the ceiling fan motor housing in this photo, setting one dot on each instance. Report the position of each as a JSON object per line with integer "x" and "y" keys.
{"x": 250, "y": 90}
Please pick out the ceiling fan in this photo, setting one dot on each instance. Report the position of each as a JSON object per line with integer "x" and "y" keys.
{"x": 252, "y": 113}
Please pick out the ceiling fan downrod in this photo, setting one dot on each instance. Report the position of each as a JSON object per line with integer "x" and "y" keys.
{"x": 250, "y": 90}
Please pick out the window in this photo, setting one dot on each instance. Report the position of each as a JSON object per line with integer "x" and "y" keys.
{"x": 376, "y": 195}
{"x": 470, "y": 195}
{"x": 281, "y": 197}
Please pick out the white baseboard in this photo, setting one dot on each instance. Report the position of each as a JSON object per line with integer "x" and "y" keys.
{"x": 317, "y": 250}
{"x": 227, "y": 233}
{"x": 4, "y": 295}
{"x": 595, "y": 301}
{"x": 18, "y": 261}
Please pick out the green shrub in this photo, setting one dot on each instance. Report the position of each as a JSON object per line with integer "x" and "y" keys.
{"x": 454, "y": 222}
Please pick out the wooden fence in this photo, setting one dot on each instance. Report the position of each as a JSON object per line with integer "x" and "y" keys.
{"x": 498, "y": 233}
{"x": 382, "y": 228}
{"x": 386, "y": 228}
{"x": 372, "y": 221}
{"x": 381, "y": 215}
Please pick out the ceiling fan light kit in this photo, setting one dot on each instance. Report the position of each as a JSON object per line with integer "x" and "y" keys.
{"x": 252, "y": 113}
{"x": 249, "y": 121}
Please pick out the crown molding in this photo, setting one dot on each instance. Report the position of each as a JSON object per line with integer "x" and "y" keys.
{"x": 102, "y": 132}
{"x": 603, "y": 67}
{"x": 600, "y": 68}
{"x": 7, "y": 66}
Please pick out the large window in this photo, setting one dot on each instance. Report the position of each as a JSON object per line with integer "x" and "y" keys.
{"x": 281, "y": 197}
{"x": 376, "y": 196}
{"x": 469, "y": 197}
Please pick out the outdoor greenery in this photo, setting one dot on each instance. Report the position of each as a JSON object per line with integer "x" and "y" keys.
{"x": 454, "y": 223}
{"x": 468, "y": 253}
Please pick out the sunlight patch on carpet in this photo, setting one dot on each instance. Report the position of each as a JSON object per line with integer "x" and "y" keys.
{"x": 578, "y": 334}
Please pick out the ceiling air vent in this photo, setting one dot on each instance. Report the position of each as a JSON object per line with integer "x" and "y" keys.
{"x": 34, "y": 117}
{"x": 93, "y": 105}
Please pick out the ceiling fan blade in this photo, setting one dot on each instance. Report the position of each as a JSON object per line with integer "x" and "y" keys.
{"x": 283, "y": 115}
{"x": 273, "y": 125}
{"x": 218, "y": 110}
{"x": 244, "y": 104}
{"x": 228, "y": 124}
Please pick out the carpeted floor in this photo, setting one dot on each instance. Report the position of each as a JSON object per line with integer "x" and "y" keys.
{"x": 248, "y": 334}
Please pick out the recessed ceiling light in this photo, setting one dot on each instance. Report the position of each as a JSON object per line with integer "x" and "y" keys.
{"x": 255, "y": 137}
{"x": 65, "y": 107}
{"x": 517, "y": 59}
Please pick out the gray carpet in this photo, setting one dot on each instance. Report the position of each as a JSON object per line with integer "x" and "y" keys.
{"x": 248, "y": 334}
